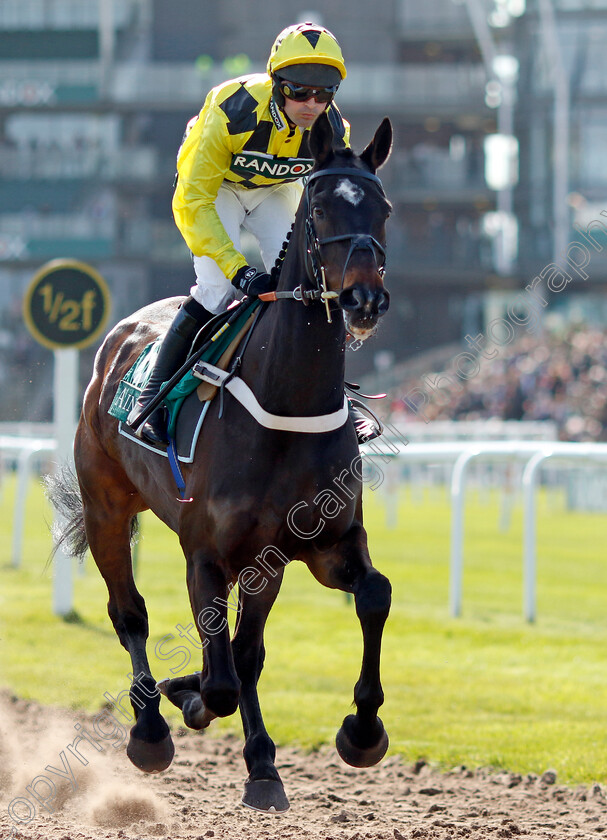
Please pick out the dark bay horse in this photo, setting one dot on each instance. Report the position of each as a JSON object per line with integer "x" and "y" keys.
{"x": 260, "y": 496}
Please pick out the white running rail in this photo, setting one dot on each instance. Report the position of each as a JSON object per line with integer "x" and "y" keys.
{"x": 26, "y": 449}
{"x": 533, "y": 455}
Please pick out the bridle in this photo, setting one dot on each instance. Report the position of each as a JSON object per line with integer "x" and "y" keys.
{"x": 358, "y": 242}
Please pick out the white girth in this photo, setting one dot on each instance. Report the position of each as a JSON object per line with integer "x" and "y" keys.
{"x": 241, "y": 391}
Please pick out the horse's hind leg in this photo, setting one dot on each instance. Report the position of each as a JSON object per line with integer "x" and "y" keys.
{"x": 109, "y": 505}
{"x": 264, "y": 790}
{"x": 362, "y": 740}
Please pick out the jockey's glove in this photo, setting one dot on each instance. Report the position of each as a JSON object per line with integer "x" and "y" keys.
{"x": 253, "y": 282}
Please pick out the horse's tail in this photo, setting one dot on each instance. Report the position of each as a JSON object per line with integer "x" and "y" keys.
{"x": 62, "y": 491}
{"x": 69, "y": 534}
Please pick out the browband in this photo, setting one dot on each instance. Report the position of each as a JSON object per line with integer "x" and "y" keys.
{"x": 360, "y": 173}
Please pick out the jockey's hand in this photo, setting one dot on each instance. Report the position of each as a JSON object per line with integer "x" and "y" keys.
{"x": 253, "y": 282}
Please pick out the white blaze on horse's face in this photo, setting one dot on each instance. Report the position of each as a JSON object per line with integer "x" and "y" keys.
{"x": 350, "y": 192}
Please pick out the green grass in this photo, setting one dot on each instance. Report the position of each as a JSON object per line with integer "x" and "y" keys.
{"x": 485, "y": 689}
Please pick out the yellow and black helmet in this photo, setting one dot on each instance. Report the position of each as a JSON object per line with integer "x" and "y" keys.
{"x": 307, "y": 54}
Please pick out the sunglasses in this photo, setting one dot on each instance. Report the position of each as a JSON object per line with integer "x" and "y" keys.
{"x": 301, "y": 93}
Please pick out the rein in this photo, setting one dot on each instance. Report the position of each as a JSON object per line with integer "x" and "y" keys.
{"x": 358, "y": 242}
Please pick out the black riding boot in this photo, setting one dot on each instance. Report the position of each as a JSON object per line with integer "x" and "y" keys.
{"x": 367, "y": 428}
{"x": 172, "y": 354}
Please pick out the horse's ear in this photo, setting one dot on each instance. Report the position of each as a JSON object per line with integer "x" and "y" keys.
{"x": 321, "y": 139}
{"x": 378, "y": 150}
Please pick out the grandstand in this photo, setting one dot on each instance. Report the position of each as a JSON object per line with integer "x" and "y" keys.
{"x": 94, "y": 97}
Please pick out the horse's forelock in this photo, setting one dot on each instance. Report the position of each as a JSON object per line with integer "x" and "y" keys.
{"x": 341, "y": 157}
{"x": 346, "y": 158}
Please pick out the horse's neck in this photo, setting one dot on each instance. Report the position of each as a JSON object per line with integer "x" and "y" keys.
{"x": 301, "y": 355}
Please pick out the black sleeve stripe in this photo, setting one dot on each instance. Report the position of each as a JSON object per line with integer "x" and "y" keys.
{"x": 260, "y": 139}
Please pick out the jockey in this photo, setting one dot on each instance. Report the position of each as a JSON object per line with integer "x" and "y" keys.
{"x": 239, "y": 166}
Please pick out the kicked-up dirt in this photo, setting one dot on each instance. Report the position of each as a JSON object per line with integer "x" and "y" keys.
{"x": 96, "y": 794}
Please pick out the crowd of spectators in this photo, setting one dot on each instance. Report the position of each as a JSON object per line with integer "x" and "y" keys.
{"x": 560, "y": 376}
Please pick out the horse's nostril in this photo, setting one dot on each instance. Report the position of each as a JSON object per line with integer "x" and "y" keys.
{"x": 383, "y": 302}
{"x": 365, "y": 302}
{"x": 352, "y": 299}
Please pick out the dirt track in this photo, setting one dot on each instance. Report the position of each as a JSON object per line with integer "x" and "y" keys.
{"x": 198, "y": 797}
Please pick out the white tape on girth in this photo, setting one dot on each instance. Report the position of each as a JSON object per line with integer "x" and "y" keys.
{"x": 241, "y": 391}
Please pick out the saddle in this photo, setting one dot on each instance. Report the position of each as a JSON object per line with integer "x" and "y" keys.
{"x": 189, "y": 398}
{"x": 218, "y": 345}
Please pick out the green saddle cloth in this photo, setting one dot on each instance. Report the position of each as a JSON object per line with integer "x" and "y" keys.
{"x": 137, "y": 377}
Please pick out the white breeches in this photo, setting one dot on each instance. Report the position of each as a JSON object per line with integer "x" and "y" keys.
{"x": 267, "y": 213}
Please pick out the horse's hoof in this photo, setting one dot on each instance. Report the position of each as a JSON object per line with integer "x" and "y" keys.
{"x": 355, "y": 755}
{"x": 151, "y": 757}
{"x": 265, "y": 795}
{"x": 195, "y": 713}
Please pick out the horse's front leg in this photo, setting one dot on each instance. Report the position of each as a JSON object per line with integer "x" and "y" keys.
{"x": 264, "y": 790}
{"x": 362, "y": 740}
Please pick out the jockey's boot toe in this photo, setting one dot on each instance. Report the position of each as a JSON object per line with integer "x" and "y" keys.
{"x": 367, "y": 427}
{"x": 366, "y": 431}
{"x": 154, "y": 430}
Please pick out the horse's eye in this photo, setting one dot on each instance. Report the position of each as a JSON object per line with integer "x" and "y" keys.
{"x": 318, "y": 212}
